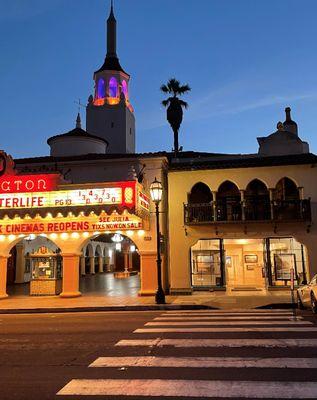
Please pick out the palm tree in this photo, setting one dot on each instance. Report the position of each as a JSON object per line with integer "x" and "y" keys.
{"x": 175, "y": 105}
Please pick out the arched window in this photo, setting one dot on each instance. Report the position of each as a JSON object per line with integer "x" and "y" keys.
{"x": 286, "y": 189}
{"x": 113, "y": 87}
{"x": 228, "y": 202}
{"x": 286, "y": 200}
{"x": 125, "y": 89}
{"x": 200, "y": 208}
{"x": 200, "y": 193}
{"x": 101, "y": 93}
{"x": 257, "y": 201}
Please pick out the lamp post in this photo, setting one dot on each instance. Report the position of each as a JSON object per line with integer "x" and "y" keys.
{"x": 156, "y": 191}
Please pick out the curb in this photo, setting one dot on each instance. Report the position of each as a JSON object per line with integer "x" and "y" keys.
{"x": 153, "y": 307}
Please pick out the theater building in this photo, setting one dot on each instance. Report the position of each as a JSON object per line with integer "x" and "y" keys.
{"x": 84, "y": 209}
{"x": 242, "y": 222}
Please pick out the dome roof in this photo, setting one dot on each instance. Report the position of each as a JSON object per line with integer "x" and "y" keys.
{"x": 77, "y": 132}
{"x": 76, "y": 142}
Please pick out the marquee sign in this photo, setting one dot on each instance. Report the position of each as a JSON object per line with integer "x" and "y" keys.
{"x": 85, "y": 224}
{"x": 38, "y": 191}
{"x": 120, "y": 194}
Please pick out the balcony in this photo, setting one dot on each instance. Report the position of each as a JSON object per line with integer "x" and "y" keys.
{"x": 248, "y": 211}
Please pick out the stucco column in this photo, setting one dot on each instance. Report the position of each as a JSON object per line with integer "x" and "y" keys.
{"x": 3, "y": 277}
{"x": 214, "y": 205}
{"x": 271, "y": 192}
{"x": 20, "y": 264}
{"x": 92, "y": 264}
{"x": 242, "y": 193}
{"x": 70, "y": 275}
{"x": 100, "y": 263}
{"x": 126, "y": 261}
{"x": 301, "y": 193}
{"x": 148, "y": 274}
{"x": 82, "y": 265}
{"x": 130, "y": 261}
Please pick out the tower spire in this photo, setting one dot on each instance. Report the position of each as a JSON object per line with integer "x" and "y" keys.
{"x": 78, "y": 121}
{"x": 111, "y": 34}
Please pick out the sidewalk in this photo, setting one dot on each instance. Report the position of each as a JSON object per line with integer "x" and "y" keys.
{"x": 218, "y": 300}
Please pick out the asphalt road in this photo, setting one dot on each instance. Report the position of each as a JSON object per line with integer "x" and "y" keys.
{"x": 168, "y": 354}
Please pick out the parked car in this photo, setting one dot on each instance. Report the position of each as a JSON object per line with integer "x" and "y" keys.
{"x": 307, "y": 295}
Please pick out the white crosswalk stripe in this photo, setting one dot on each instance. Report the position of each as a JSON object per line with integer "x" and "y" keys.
{"x": 191, "y": 388}
{"x": 196, "y": 324}
{"x": 225, "y": 329}
{"x": 228, "y": 323}
{"x": 204, "y": 362}
{"x": 229, "y": 343}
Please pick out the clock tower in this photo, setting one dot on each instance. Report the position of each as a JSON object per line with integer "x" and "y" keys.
{"x": 109, "y": 113}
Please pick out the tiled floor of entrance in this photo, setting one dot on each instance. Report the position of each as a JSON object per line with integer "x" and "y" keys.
{"x": 108, "y": 285}
{"x": 96, "y": 285}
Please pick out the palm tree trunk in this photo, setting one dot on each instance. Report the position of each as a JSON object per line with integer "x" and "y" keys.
{"x": 176, "y": 145}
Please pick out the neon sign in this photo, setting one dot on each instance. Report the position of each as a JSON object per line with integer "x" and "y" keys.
{"x": 28, "y": 183}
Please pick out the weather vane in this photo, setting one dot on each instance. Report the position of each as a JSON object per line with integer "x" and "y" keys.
{"x": 79, "y": 105}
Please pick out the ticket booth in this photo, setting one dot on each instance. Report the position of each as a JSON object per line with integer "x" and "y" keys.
{"x": 46, "y": 268}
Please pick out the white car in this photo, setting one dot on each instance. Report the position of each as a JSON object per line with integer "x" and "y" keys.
{"x": 307, "y": 295}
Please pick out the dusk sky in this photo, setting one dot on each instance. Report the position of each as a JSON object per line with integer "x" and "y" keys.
{"x": 246, "y": 60}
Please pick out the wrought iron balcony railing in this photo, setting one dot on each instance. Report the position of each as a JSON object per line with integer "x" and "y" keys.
{"x": 236, "y": 211}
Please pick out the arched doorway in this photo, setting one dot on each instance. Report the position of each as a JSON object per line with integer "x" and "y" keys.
{"x": 116, "y": 263}
{"x": 34, "y": 267}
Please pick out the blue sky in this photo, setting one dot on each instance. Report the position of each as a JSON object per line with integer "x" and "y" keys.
{"x": 244, "y": 59}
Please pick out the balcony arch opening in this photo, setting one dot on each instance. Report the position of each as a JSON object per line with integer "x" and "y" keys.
{"x": 286, "y": 189}
{"x": 200, "y": 193}
{"x": 228, "y": 202}
{"x": 257, "y": 201}
{"x": 287, "y": 203}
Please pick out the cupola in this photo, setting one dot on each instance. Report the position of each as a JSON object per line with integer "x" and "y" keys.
{"x": 284, "y": 140}
{"x": 289, "y": 124}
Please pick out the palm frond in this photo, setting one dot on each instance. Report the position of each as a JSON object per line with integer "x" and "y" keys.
{"x": 164, "y": 89}
{"x": 165, "y": 103}
{"x": 184, "y": 89}
{"x": 183, "y": 103}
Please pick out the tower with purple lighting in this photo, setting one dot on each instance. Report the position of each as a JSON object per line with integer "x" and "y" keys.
{"x": 109, "y": 113}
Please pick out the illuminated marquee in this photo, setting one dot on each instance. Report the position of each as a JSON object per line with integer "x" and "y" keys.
{"x": 120, "y": 194}
{"x": 85, "y": 224}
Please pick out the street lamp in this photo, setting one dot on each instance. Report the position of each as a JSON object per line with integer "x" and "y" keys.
{"x": 156, "y": 191}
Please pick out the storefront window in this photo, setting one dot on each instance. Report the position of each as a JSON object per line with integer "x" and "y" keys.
{"x": 283, "y": 255}
{"x": 206, "y": 263}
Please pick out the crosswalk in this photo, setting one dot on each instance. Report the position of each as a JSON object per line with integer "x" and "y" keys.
{"x": 262, "y": 354}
